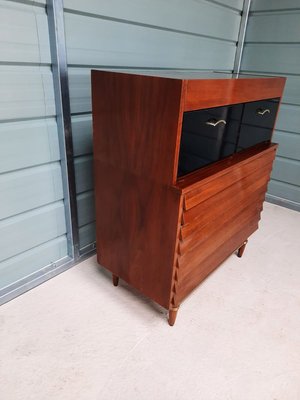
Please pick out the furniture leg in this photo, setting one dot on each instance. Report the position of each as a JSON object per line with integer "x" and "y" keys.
{"x": 172, "y": 315}
{"x": 115, "y": 280}
{"x": 242, "y": 249}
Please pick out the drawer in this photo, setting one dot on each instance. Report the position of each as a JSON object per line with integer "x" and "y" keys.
{"x": 191, "y": 275}
{"x": 232, "y": 196}
{"x": 204, "y": 190}
{"x": 207, "y": 136}
{"x": 195, "y": 233}
{"x": 261, "y": 113}
{"x": 196, "y": 121}
{"x": 192, "y": 258}
{"x": 251, "y": 135}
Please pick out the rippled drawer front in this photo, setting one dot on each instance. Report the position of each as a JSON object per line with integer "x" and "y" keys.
{"x": 195, "y": 233}
{"x": 192, "y": 274}
{"x": 217, "y": 216}
{"x": 205, "y": 190}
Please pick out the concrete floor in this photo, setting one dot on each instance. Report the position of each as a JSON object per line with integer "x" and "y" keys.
{"x": 236, "y": 337}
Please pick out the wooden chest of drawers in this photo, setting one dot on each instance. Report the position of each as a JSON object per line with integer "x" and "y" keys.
{"x": 181, "y": 172}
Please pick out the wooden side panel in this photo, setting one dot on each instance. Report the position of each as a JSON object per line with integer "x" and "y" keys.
{"x": 136, "y": 123}
{"x": 219, "y": 92}
{"x": 136, "y": 229}
{"x": 212, "y": 229}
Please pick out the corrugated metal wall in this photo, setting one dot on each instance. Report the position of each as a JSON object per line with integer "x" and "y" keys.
{"x": 138, "y": 35}
{"x": 32, "y": 218}
{"x": 272, "y": 47}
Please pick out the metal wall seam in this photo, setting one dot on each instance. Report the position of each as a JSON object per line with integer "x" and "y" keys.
{"x": 55, "y": 15}
{"x": 241, "y": 37}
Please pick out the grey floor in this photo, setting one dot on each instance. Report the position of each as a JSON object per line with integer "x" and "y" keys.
{"x": 237, "y": 336}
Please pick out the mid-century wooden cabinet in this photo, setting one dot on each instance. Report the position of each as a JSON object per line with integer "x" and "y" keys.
{"x": 181, "y": 172}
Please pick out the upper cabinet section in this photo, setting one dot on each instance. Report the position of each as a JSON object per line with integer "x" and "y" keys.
{"x": 159, "y": 128}
{"x": 212, "y": 134}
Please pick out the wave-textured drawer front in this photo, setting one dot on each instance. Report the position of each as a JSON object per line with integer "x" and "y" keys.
{"x": 193, "y": 257}
{"x": 199, "y": 232}
{"x": 203, "y": 190}
{"x": 218, "y": 215}
{"x": 191, "y": 277}
{"x": 233, "y": 196}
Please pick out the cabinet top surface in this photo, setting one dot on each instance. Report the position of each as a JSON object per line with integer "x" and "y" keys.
{"x": 191, "y": 75}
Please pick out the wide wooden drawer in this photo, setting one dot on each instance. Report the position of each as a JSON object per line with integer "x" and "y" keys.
{"x": 205, "y": 189}
{"x": 190, "y": 277}
{"x": 233, "y": 196}
{"x": 196, "y": 234}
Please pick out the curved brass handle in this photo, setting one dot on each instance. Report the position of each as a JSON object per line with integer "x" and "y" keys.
{"x": 214, "y": 122}
{"x": 262, "y": 112}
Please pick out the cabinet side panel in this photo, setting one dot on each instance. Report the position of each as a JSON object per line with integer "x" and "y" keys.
{"x": 136, "y": 230}
{"x": 135, "y": 121}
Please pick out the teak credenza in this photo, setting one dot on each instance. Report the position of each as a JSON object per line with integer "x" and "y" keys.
{"x": 181, "y": 171}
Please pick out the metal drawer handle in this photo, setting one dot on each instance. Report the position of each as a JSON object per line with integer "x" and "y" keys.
{"x": 262, "y": 112}
{"x": 214, "y": 122}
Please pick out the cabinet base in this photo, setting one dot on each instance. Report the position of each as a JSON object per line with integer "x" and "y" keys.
{"x": 172, "y": 315}
{"x": 115, "y": 280}
{"x": 242, "y": 249}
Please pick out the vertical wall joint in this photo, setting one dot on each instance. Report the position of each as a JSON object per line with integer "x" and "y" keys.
{"x": 241, "y": 37}
{"x": 55, "y": 14}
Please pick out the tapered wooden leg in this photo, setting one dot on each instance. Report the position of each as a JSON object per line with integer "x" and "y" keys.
{"x": 172, "y": 315}
{"x": 242, "y": 249}
{"x": 115, "y": 279}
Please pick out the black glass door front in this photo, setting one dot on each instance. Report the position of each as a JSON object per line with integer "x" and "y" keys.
{"x": 211, "y": 134}
{"x": 257, "y": 122}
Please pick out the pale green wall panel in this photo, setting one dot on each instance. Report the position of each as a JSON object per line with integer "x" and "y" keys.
{"x": 27, "y": 230}
{"x": 272, "y": 47}
{"x": 201, "y": 17}
{"x": 26, "y": 92}
{"x": 279, "y": 28}
{"x": 285, "y": 191}
{"x": 292, "y": 90}
{"x": 289, "y": 144}
{"x": 24, "y": 33}
{"x": 271, "y": 5}
{"x": 32, "y": 216}
{"x": 289, "y": 118}
{"x": 286, "y": 170}
{"x": 28, "y": 143}
{"x": 98, "y": 42}
{"x": 84, "y": 173}
{"x": 86, "y": 208}
{"x": 80, "y": 90}
{"x": 272, "y": 57}
{"x": 87, "y": 234}
{"x": 29, "y": 188}
{"x": 31, "y": 261}
{"x": 82, "y": 134}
